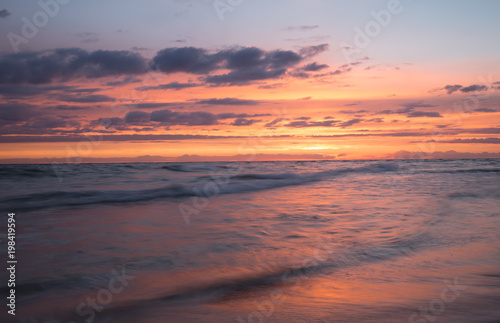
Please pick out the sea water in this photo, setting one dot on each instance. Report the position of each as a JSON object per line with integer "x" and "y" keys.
{"x": 286, "y": 241}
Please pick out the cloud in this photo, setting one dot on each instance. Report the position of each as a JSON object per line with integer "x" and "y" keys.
{"x": 418, "y": 114}
{"x": 474, "y": 141}
{"x": 139, "y": 49}
{"x": 244, "y": 122}
{"x": 108, "y": 122}
{"x": 314, "y": 67}
{"x": 14, "y": 113}
{"x": 302, "y": 122}
{"x": 164, "y": 117}
{"x": 150, "y": 105}
{"x": 486, "y": 110}
{"x": 69, "y": 107}
{"x": 452, "y": 88}
{"x": 4, "y": 13}
{"x": 300, "y": 74}
{"x": 382, "y": 67}
{"x": 20, "y": 90}
{"x": 271, "y": 86}
{"x": 245, "y": 76}
{"x": 253, "y": 64}
{"x": 273, "y": 123}
{"x": 483, "y": 131}
{"x": 47, "y": 66}
{"x": 399, "y": 111}
{"x": 314, "y": 39}
{"x": 302, "y": 28}
{"x": 466, "y": 141}
{"x": 137, "y": 117}
{"x": 281, "y": 58}
{"x": 352, "y": 111}
{"x": 409, "y": 110}
{"x": 88, "y": 37}
{"x": 245, "y": 58}
{"x": 168, "y": 86}
{"x": 305, "y": 124}
{"x": 48, "y": 122}
{"x": 231, "y": 115}
{"x": 245, "y": 64}
{"x": 229, "y": 101}
{"x": 94, "y": 98}
{"x": 295, "y": 124}
{"x": 105, "y": 63}
{"x": 25, "y": 119}
{"x": 133, "y": 137}
{"x": 341, "y": 69}
{"x": 310, "y": 51}
{"x": 350, "y": 122}
{"x": 168, "y": 117}
{"x": 474, "y": 88}
{"x": 241, "y": 65}
{"x": 197, "y": 118}
{"x": 418, "y": 104}
{"x": 187, "y": 59}
{"x": 82, "y": 90}
{"x": 126, "y": 80}
{"x": 41, "y": 125}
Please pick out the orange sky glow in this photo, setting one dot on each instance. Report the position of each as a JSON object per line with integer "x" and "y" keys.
{"x": 303, "y": 90}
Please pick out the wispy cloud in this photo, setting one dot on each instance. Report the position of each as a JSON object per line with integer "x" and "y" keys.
{"x": 88, "y": 37}
{"x": 450, "y": 89}
{"x": 94, "y": 98}
{"x": 302, "y": 28}
{"x": 4, "y": 13}
{"x": 244, "y": 122}
{"x": 409, "y": 110}
{"x": 229, "y": 101}
{"x": 169, "y": 86}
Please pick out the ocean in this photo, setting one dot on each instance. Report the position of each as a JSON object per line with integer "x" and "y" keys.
{"x": 285, "y": 241}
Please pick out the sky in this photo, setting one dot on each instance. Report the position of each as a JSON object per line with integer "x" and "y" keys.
{"x": 203, "y": 80}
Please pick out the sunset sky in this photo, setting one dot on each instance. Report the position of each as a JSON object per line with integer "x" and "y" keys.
{"x": 228, "y": 79}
